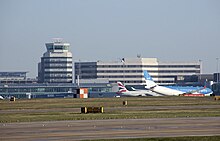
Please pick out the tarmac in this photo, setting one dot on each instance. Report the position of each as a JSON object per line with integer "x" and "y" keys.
{"x": 110, "y": 129}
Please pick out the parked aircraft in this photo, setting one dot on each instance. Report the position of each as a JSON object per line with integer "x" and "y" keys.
{"x": 1, "y": 97}
{"x": 125, "y": 92}
{"x": 174, "y": 91}
{"x": 193, "y": 90}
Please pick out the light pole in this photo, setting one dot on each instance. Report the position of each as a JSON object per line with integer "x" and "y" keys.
{"x": 217, "y": 70}
{"x": 123, "y": 64}
{"x": 78, "y": 76}
{"x": 200, "y": 76}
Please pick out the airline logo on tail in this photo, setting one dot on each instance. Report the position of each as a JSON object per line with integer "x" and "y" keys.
{"x": 122, "y": 88}
{"x": 147, "y": 76}
{"x": 149, "y": 81}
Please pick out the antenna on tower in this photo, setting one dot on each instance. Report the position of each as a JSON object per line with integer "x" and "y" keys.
{"x": 138, "y": 55}
{"x": 57, "y": 40}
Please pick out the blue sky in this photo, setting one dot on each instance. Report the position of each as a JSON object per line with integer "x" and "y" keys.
{"x": 171, "y": 30}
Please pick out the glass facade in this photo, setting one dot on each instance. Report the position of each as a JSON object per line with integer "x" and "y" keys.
{"x": 49, "y": 90}
{"x": 85, "y": 70}
{"x": 35, "y": 90}
{"x": 14, "y": 75}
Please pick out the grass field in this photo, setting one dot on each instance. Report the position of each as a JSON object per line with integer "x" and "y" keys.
{"x": 23, "y": 110}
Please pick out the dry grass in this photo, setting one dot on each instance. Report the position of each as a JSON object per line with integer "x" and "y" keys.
{"x": 138, "y": 107}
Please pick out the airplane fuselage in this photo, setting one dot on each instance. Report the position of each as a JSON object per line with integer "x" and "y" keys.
{"x": 166, "y": 91}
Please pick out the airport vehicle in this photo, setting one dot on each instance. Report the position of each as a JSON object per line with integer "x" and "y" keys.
{"x": 174, "y": 91}
{"x": 1, "y": 97}
{"x": 125, "y": 92}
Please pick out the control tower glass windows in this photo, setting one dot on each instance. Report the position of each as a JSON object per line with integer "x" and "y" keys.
{"x": 50, "y": 48}
{"x": 60, "y": 47}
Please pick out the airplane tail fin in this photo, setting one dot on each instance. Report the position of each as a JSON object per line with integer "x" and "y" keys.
{"x": 121, "y": 87}
{"x": 149, "y": 81}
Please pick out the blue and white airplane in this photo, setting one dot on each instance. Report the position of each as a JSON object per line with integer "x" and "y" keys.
{"x": 174, "y": 91}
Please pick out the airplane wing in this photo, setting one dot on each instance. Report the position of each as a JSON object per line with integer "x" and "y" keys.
{"x": 1, "y": 97}
{"x": 133, "y": 88}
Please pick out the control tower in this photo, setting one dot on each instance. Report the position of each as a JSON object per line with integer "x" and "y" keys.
{"x": 56, "y": 63}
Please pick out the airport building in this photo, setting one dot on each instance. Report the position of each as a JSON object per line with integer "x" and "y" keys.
{"x": 130, "y": 70}
{"x": 56, "y": 64}
{"x": 15, "y": 77}
{"x": 53, "y": 90}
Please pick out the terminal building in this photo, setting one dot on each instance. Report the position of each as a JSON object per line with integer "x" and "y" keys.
{"x": 52, "y": 90}
{"x": 130, "y": 71}
{"x": 56, "y": 64}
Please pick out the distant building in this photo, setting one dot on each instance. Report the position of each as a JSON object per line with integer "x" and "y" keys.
{"x": 216, "y": 88}
{"x": 197, "y": 80}
{"x": 56, "y": 64}
{"x": 203, "y": 78}
{"x": 216, "y": 77}
{"x": 15, "y": 77}
{"x": 130, "y": 70}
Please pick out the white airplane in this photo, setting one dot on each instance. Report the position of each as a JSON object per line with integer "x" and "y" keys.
{"x": 151, "y": 85}
{"x": 125, "y": 92}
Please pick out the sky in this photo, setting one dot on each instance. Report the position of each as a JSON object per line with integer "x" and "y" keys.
{"x": 170, "y": 30}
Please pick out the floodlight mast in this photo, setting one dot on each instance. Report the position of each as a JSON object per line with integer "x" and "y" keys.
{"x": 200, "y": 76}
{"x": 217, "y": 74}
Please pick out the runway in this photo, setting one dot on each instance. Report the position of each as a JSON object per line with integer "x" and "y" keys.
{"x": 110, "y": 129}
